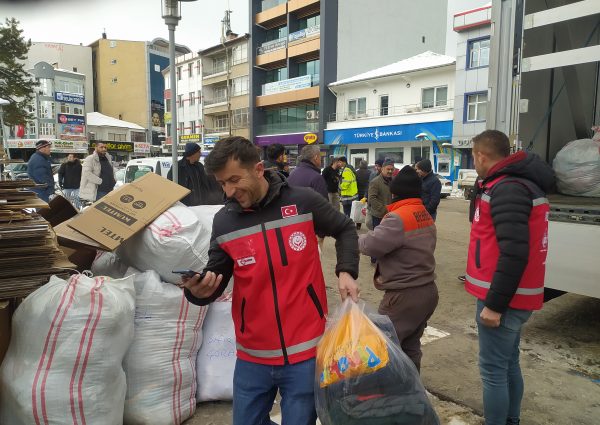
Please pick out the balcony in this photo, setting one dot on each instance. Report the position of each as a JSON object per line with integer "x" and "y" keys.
{"x": 273, "y": 13}
{"x": 220, "y": 68}
{"x": 296, "y": 83}
{"x": 305, "y": 33}
{"x": 296, "y": 5}
{"x": 215, "y": 101}
{"x": 269, "y": 4}
{"x": 271, "y": 46}
{"x": 286, "y": 128}
{"x": 419, "y": 108}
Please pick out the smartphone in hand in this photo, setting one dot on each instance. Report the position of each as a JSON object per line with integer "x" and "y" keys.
{"x": 189, "y": 273}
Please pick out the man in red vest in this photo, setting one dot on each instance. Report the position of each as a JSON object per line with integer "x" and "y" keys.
{"x": 506, "y": 264}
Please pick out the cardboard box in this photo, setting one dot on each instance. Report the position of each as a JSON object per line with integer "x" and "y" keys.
{"x": 124, "y": 212}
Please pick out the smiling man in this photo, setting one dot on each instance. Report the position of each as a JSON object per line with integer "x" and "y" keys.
{"x": 266, "y": 237}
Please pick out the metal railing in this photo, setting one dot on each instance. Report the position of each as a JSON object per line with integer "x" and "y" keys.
{"x": 271, "y": 46}
{"x": 221, "y": 67}
{"x": 215, "y": 100}
{"x": 284, "y": 128}
{"x": 305, "y": 33}
{"x": 295, "y": 83}
{"x": 417, "y": 108}
{"x": 216, "y": 130}
{"x": 268, "y": 4}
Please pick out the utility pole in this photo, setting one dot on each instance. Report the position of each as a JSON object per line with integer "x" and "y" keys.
{"x": 225, "y": 31}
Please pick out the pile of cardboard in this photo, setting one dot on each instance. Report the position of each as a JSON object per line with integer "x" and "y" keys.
{"x": 29, "y": 252}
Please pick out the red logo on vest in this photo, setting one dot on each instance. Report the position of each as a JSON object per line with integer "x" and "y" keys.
{"x": 289, "y": 211}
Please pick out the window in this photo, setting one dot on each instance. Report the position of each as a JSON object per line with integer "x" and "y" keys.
{"x": 221, "y": 122}
{"x": 478, "y": 53}
{"x": 138, "y": 136}
{"x": 77, "y": 110}
{"x": 218, "y": 65}
{"x": 395, "y": 154}
{"x": 47, "y": 109}
{"x": 357, "y": 107}
{"x": 180, "y": 127}
{"x": 178, "y": 73}
{"x": 198, "y": 67}
{"x": 313, "y": 21}
{"x": 199, "y": 97}
{"x": 46, "y": 129}
{"x": 241, "y": 85}
{"x": 384, "y": 101}
{"x": 46, "y": 87}
{"x": 276, "y": 33}
{"x": 114, "y": 80}
{"x": 240, "y": 54}
{"x": 309, "y": 68}
{"x": 31, "y": 129}
{"x": 435, "y": 96}
{"x": 273, "y": 75}
{"x": 476, "y": 106}
{"x": 65, "y": 108}
{"x": 190, "y": 70}
{"x": 113, "y": 43}
{"x": 167, "y": 105}
{"x": 74, "y": 69}
{"x": 240, "y": 117}
{"x": 220, "y": 94}
{"x": 180, "y": 101}
{"x": 76, "y": 88}
{"x": 113, "y": 61}
{"x": 168, "y": 129}
{"x": 192, "y": 99}
{"x": 192, "y": 127}
{"x": 199, "y": 124}
{"x": 419, "y": 153}
{"x": 116, "y": 137}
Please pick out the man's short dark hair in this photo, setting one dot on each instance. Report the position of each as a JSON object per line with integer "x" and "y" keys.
{"x": 275, "y": 151}
{"x": 236, "y": 148}
{"x": 493, "y": 142}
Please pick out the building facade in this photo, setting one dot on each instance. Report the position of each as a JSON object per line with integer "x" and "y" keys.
{"x": 226, "y": 89}
{"x": 124, "y": 140}
{"x": 189, "y": 102}
{"x": 471, "y": 88}
{"x": 129, "y": 84}
{"x": 58, "y": 113}
{"x": 401, "y": 112}
{"x": 76, "y": 58}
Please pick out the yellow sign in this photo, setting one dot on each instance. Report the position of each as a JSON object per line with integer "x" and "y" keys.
{"x": 310, "y": 138}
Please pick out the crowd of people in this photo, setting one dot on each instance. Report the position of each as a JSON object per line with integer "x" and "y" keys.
{"x": 267, "y": 238}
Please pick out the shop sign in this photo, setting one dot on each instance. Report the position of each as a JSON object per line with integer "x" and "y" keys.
{"x": 435, "y": 131}
{"x": 463, "y": 143}
{"x": 115, "y": 146}
{"x": 71, "y": 119}
{"x": 141, "y": 147}
{"x": 80, "y": 137}
{"x": 69, "y": 146}
{"x": 190, "y": 138}
{"x": 310, "y": 138}
{"x": 167, "y": 117}
{"x": 69, "y": 98}
{"x": 21, "y": 143}
{"x": 289, "y": 84}
{"x": 71, "y": 129}
{"x": 210, "y": 140}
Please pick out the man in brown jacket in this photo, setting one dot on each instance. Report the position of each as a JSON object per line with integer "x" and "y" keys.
{"x": 404, "y": 243}
{"x": 379, "y": 196}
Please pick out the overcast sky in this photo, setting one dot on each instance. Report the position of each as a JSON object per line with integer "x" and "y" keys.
{"x": 82, "y": 21}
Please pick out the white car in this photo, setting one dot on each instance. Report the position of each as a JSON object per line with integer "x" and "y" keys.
{"x": 446, "y": 186}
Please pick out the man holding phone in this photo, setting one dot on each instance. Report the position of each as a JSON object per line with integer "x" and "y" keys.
{"x": 266, "y": 237}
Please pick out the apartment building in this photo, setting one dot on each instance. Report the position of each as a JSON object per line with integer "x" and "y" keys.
{"x": 189, "y": 102}
{"x": 402, "y": 111}
{"x": 225, "y": 89}
{"x": 473, "y": 28}
{"x": 58, "y": 114}
{"x": 129, "y": 84}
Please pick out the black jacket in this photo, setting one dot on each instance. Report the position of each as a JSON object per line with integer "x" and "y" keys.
{"x": 362, "y": 180}
{"x": 432, "y": 189}
{"x": 205, "y": 189}
{"x": 332, "y": 179}
{"x": 326, "y": 221}
{"x": 275, "y": 166}
{"x": 511, "y": 206}
{"x": 69, "y": 175}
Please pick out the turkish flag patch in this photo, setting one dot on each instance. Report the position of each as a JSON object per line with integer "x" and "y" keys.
{"x": 289, "y": 211}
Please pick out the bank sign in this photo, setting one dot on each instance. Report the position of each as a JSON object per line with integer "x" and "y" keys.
{"x": 439, "y": 130}
{"x": 69, "y": 98}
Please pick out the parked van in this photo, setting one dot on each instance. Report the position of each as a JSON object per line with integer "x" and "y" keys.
{"x": 136, "y": 168}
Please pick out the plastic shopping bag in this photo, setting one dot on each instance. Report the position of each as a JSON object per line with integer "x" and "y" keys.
{"x": 363, "y": 377}
{"x": 577, "y": 167}
{"x": 358, "y": 211}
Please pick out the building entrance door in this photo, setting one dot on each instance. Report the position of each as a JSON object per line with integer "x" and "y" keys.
{"x": 357, "y": 155}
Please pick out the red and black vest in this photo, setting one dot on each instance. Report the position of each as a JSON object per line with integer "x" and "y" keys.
{"x": 484, "y": 252}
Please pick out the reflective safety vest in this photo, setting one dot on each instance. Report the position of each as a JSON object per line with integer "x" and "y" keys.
{"x": 348, "y": 185}
{"x": 484, "y": 251}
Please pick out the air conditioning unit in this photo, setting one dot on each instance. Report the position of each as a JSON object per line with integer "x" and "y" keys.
{"x": 312, "y": 115}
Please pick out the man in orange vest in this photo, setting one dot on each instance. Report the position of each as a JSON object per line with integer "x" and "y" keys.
{"x": 506, "y": 264}
{"x": 404, "y": 243}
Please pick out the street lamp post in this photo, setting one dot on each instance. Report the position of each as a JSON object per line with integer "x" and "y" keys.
{"x": 171, "y": 13}
{"x": 422, "y": 137}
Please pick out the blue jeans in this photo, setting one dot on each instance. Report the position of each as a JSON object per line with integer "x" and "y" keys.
{"x": 100, "y": 195}
{"x": 255, "y": 387}
{"x": 499, "y": 366}
{"x": 73, "y": 196}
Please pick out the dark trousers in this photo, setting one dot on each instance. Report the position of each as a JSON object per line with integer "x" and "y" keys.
{"x": 376, "y": 222}
{"x": 409, "y": 309}
{"x": 347, "y": 206}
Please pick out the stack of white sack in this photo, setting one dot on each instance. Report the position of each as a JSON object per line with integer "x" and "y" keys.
{"x": 177, "y": 240}
{"x": 64, "y": 363}
{"x": 577, "y": 167}
{"x": 108, "y": 264}
{"x": 216, "y": 359}
{"x": 161, "y": 363}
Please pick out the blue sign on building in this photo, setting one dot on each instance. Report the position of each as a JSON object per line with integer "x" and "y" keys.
{"x": 71, "y": 119}
{"x": 69, "y": 98}
{"x": 438, "y": 130}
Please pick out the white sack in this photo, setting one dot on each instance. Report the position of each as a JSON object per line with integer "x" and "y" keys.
{"x": 108, "y": 264}
{"x": 64, "y": 363}
{"x": 577, "y": 167}
{"x": 177, "y": 240}
{"x": 358, "y": 212}
{"x": 216, "y": 359}
{"x": 161, "y": 363}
